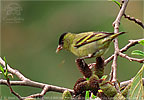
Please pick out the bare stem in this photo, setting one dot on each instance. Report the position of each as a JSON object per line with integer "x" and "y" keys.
{"x": 137, "y": 21}
{"x": 12, "y": 91}
{"x": 125, "y": 83}
{"x": 116, "y": 24}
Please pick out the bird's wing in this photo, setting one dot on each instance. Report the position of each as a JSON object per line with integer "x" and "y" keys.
{"x": 91, "y": 37}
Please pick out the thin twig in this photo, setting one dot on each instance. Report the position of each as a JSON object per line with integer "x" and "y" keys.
{"x": 12, "y": 91}
{"x": 131, "y": 43}
{"x": 40, "y": 95}
{"x": 130, "y": 58}
{"x": 137, "y": 21}
{"x": 125, "y": 83}
{"x": 36, "y": 84}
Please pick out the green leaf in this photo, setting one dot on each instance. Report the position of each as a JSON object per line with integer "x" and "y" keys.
{"x": 93, "y": 96}
{"x": 5, "y": 61}
{"x": 87, "y": 97}
{"x": 6, "y": 72}
{"x": 136, "y": 90}
{"x": 104, "y": 77}
{"x": 2, "y": 69}
{"x": 141, "y": 42}
{"x": 87, "y": 79}
{"x": 138, "y": 52}
{"x": 115, "y": 1}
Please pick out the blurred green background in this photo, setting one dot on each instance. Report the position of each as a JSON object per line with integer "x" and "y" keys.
{"x": 30, "y": 31}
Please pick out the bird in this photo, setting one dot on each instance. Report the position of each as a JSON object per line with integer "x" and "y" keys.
{"x": 86, "y": 44}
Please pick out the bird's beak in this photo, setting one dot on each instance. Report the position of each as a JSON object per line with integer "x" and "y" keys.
{"x": 59, "y": 48}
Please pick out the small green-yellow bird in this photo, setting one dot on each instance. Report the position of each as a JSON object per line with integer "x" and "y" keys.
{"x": 87, "y": 44}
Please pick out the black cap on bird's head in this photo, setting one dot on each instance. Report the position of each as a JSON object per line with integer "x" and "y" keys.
{"x": 61, "y": 38}
{"x": 61, "y": 42}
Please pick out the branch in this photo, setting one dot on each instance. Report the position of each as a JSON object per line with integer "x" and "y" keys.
{"x": 137, "y": 21}
{"x": 124, "y": 49}
{"x": 125, "y": 83}
{"x": 27, "y": 82}
{"x": 130, "y": 58}
{"x": 12, "y": 91}
{"x": 40, "y": 95}
{"x": 131, "y": 43}
{"x": 116, "y": 24}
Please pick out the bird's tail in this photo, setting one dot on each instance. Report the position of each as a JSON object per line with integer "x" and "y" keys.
{"x": 111, "y": 37}
{"x": 115, "y": 35}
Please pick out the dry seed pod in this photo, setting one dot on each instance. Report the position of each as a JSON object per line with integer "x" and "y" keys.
{"x": 108, "y": 89}
{"x": 81, "y": 88}
{"x": 93, "y": 84}
{"x": 84, "y": 68}
{"x": 99, "y": 67}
